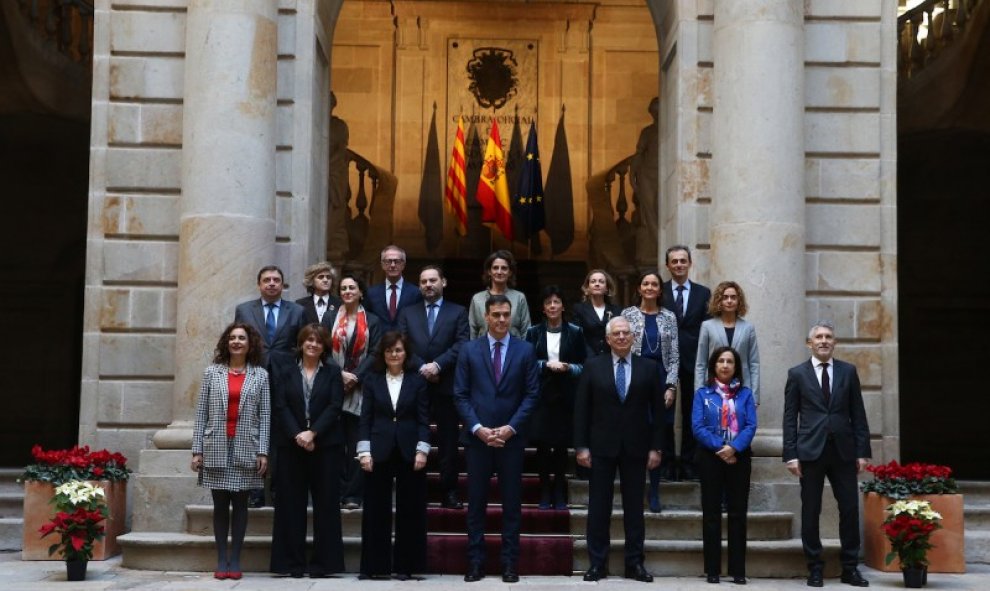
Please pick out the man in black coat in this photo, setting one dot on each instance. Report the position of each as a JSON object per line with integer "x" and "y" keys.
{"x": 826, "y": 434}
{"x": 436, "y": 329}
{"x": 616, "y": 397}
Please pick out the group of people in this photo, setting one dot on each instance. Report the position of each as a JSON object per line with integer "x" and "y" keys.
{"x": 339, "y": 389}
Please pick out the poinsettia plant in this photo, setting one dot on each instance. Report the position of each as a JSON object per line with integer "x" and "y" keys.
{"x": 58, "y": 466}
{"x": 80, "y": 509}
{"x": 902, "y": 481}
{"x": 909, "y": 526}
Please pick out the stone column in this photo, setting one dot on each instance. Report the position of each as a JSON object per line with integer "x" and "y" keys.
{"x": 227, "y": 208}
{"x": 758, "y": 207}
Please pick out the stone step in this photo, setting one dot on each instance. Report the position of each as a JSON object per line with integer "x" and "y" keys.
{"x": 686, "y": 525}
{"x": 978, "y": 546}
{"x": 11, "y": 503}
{"x": 684, "y": 558}
{"x": 977, "y": 517}
{"x": 977, "y": 492}
{"x": 199, "y": 521}
{"x": 673, "y": 495}
{"x": 8, "y": 480}
{"x": 11, "y": 536}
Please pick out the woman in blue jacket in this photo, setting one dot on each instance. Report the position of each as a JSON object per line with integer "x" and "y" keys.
{"x": 723, "y": 420}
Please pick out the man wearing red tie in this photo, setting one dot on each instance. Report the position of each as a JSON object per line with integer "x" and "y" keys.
{"x": 385, "y": 300}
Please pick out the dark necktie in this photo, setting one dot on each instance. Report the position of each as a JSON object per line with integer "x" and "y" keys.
{"x": 620, "y": 378}
{"x": 497, "y": 361}
{"x": 320, "y": 308}
{"x": 679, "y": 302}
{"x": 826, "y": 385}
{"x": 270, "y": 323}
{"x": 431, "y": 318}
{"x": 393, "y": 301}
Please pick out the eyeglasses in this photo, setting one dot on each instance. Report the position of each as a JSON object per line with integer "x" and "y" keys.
{"x": 393, "y": 261}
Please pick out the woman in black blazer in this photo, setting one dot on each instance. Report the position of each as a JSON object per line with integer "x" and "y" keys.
{"x": 392, "y": 448}
{"x": 560, "y": 353}
{"x": 307, "y": 394}
{"x": 593, "y": 313}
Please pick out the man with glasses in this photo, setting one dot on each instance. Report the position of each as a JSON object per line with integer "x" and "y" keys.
{"x": 385, "y": 300}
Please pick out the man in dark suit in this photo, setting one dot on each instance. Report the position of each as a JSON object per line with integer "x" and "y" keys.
{"x": 279, "y": 322}
{"x": 689, "y": 301}
{"x": 436, "y": 331}
{"x": 496, "y": 386}
{"x": 320, "y": 306}
{"x": 826, "y": 435}
{"x": 385, "y": 300}
{"x": 276, "y": 319}
{"x": 617, "y": 395}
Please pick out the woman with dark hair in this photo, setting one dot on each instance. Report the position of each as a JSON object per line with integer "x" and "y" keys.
{"x": 354, "y": 338}
{"x": 655, "y": 336}
{"x": 723, "y": 420}
{"x": 728, "y": 328}
{"x": 307, "y": 394}
{"x": 595, "y": 309}
{"x": 230, "y": 437}
{"x": 394, "y": 443}
{"x": 499, "y": 277}
{"x": 560, "y": 354}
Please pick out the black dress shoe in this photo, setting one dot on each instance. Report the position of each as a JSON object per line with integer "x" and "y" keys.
{"x": 509, "y": 575}
{"x": 638, "y": 573}
{"x": 815, "y": 579}
{"x": 595, "y": 573}
{"x": 408, "y": 577}
{"x": 473, "y": 574}
{"x": 739, "y": 580}
{"x": 852, "y": 577}
{"x": 712, "y": 578}
{"x": 450, "y": 501}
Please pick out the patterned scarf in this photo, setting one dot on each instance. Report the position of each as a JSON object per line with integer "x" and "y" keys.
{"x": 349, "y": 360}
{"x": 729, "y": 422}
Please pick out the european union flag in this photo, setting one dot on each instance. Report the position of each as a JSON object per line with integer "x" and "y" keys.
{"x": 527, "y": 203}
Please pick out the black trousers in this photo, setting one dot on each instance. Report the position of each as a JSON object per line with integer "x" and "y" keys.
{"x": 351, "y": 475}
{"x": 299, "y": 474}
{"x": 408, "y": 555}
{"x": 482, "y": 461}
{"x": 445, "y": 415}
{"x": 841, "y": 475}
{"x": 688, "y": 444}
{"x": 730, "y": 481}
{"x": 601, "y": 492}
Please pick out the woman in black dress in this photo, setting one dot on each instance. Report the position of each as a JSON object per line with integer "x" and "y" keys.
{"x": 596, "y": 309}
{"x": 394, "y": 442}
{"x": 307, "y": 394}
{"x": 560, "y": 351}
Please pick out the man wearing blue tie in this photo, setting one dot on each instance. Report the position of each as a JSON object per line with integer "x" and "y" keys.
{"x": 496, "y": 387}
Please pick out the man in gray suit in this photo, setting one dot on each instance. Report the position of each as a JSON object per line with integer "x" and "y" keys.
{"x": 276, "y": 319}
{"x": 826, "y": 435}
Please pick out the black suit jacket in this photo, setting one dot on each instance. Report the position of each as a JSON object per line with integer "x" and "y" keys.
{"x": 450, "y": 332}
{"x": 309, "y": 310}
{"x": 288, "y": 403}
{"x": 610, "y": 427}
{"x": 404, "y": 426}
{"x": 808, "y": 422}
{"x": 689, "y": 326}
{"x": 584, "y": 316}
{"x": 376, "y": 302}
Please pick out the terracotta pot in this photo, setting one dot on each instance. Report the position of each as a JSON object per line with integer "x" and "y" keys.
{"x": 949, "y": 552}
{"x": 38, "y": 510}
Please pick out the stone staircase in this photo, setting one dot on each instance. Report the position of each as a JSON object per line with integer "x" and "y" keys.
{"x": 976, "y": 513}
{"x": 11, "y": 509}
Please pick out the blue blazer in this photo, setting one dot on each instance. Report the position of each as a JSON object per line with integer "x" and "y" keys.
{"x": 480, "y": 401}
{"x": 376, "y": 302}
{"x": 706, "y": 419}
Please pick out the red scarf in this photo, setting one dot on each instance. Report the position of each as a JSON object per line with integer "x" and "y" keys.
{"x": 360, "y": 339}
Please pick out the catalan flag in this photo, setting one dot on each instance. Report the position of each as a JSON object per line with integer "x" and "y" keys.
{"x": 493, "y": 190}
{"x": 454, "y": 194}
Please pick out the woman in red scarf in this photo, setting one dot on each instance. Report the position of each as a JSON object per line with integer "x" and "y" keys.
{"x": 355, "y": 334}
{"x": 723, "y": 420}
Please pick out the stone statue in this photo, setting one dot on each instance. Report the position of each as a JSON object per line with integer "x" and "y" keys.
{"x": 338, "y": 211}
{"x": 645, "y": 176}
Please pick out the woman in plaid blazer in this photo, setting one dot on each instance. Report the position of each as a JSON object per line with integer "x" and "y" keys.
{"x": 230, "y": 437}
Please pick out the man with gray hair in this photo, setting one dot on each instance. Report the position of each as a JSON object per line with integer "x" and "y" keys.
{"x": 385, "y": 300}
{"x": 826, "y": 435}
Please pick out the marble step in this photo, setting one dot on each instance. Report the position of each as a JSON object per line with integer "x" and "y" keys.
{"x": 977, "y": 492}
{"x": 686, "y": 525}
{"x": 11, "y": 503}
{"x": 977, "y": 517}
{"x": 11, "y": 537}
{"x": 8, "y": 480}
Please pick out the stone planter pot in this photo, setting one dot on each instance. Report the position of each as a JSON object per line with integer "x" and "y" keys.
{"x": 949, "y": 553}
{"x": 38, "y": 510}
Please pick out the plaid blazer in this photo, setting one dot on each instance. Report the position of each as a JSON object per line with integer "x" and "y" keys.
{"x": 253, "y": 418}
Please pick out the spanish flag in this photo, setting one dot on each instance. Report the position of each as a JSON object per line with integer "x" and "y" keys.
{"x": 455, "y": 191}
{"x": 493, "y": 190}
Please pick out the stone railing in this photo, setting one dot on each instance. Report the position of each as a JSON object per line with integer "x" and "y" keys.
{"x": 945, "y": 19}
{"x": 613, "y": 237}
{"x": 66, "y": 24}
{"x": 371, "y": 226}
